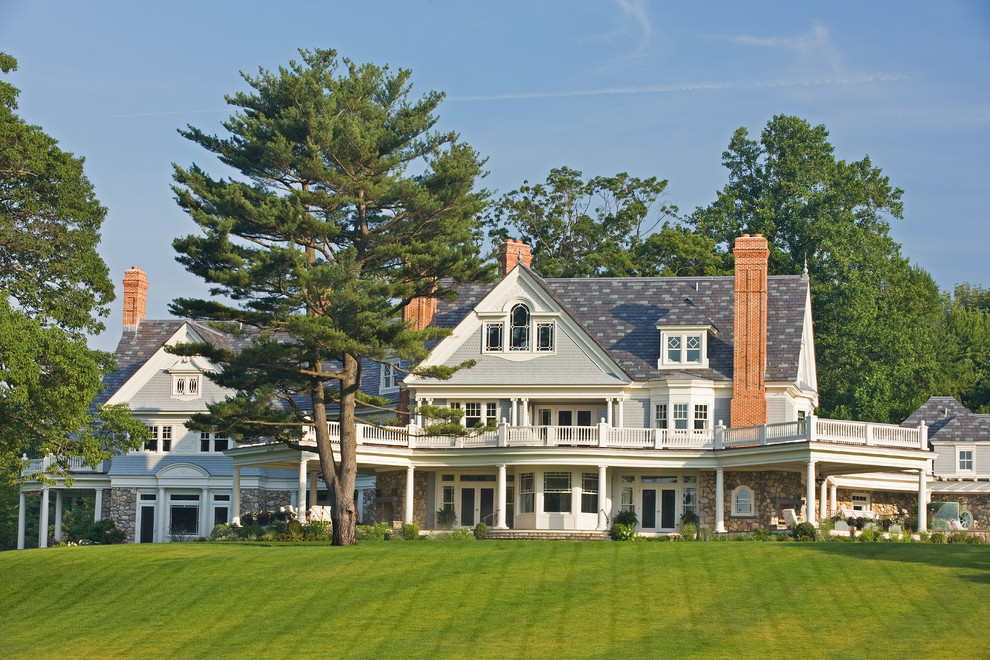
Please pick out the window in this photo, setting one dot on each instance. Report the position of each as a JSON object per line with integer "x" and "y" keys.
{"x": 660, "y": 416}
{"x": 965, "y": 460}
{"x": 447, "y": 501}
{"x": 700, "y": 417}
{"x": 493, "y": 336}
{"x": 860, "y": 502}
{"x": 680, "y": 416}
{"x": 683, "y": 348}
{"x": 491, "y": 411}
{"x": 166, "y": 438}
{"x": 689, "y": 501}
{"x": 389, "y": 377}
{"x": 626, "y": 500}
{"x": 742, "y": 501}
{"x": 151, "y": 444}
{"x": 477, "y": 412}
{"x": 801, "y": 415}
{"x": 544, "y": 336}
{"x": 526, "y": 493}
{"x": 183, "y": 515}
{"x": 557, "y": 492}
{"x": 692, "y": 344}
{"x": 519, "y": 329}
{"x": 193, "y": 385}
{"x": 965, "y": 519}
{"x": 180, "y": 385}
{"x": 216, "y": 443}
{"x": 472, "y": 414}
{"x": 161, "y": 439}
{"x": 589, "y": 492}
{"x": 183, "y": 385}
{"x": 673, "y": 349}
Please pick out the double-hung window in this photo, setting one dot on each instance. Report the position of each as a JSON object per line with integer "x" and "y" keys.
{"x": 680, "y": 416}
{"x": 683, "y": 348}
{"x": 589, "y": 492}
{"x": 660, "y": 416}
{"x": 700, "y": 417}
{"x": 965, "y": 460}
{"x": 161, "y": 439}
{"x": 389, "y": 377}
{"x": 557, "y": 492}
{"x": 527, "y": 492}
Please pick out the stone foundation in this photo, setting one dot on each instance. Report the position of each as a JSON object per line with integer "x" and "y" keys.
{"x": 254, "y": 500}
{"x": 978, "y": 504}
{"x": 772, "y": 493}
{"x": 120, "y": 504}
{"x": 886, "y": 504}
{"x": 390, "y": 503}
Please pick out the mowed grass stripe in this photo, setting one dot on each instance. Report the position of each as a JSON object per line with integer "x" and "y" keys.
{"x": 496, "y": 599}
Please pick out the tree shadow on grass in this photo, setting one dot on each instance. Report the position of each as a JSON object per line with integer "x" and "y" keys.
{"x": 962, "y": 557}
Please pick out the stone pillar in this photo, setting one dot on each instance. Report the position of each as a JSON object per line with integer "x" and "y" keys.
{"x": 810, "y": 505}
{"x": 98, "y": 506}
{"x": 719, "y": 501}
{"x": 301, "y": 495}
{"x": 602, "y": 500}
{"x": 500, "y": 499}
{"x": 407, "y": 513}
{"x": 236, "y": 497}
{"x": 21, "y": 520}
{"x": 833, "y": 499}
{"x": 823, "y": 501}
{"x": 59, "y": 504}
{"x": 922, "y": 501}
{"x": 204, "y": 512}
{"x": 43, "y": 523}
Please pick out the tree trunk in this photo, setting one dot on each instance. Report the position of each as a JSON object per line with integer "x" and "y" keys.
{"x": 343, "y": 511}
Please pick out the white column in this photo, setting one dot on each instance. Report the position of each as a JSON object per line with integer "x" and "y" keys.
{"x": 525, "y": 413}
{"x": 823, "y": 502}
{"x": 833, "y": 499}
{"x": 407, "y": 514}
{"x": 620, "y": 416}
{"x": 21, "y": 520}
{"x": 98, "y": 506}
{"x": 43, "y": 523}
{"x": 602, "y": 499}
{"x": 204, "y": 511}
{"x": 922, "y": 501}
{"x": 162, "y": 510}
{"x": 514, "y": 417}
{"x": 59, "y": 504}
{"x": 500, "y": 499}
{"x": 719, "y": 501}
{"x": 608, "y": 411}
{"x": 810, "y": 505}
{"x": 236, "y": 497}
{"x": 301, "y": 495}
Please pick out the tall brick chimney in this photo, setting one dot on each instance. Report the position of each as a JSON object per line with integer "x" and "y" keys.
{"x": 749, "y": 399}
{"x": 513, "y": 252}
{"x": 420, "y": 312}
{"x": 135, "y": 295}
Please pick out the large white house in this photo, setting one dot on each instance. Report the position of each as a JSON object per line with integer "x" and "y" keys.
{"x": 658, "y": 395}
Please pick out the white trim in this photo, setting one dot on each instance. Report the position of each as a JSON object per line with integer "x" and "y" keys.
{"x": 736, "y": 511}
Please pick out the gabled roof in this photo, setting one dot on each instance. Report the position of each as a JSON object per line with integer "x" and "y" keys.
{"x": 949, "y": 420}
{"x": 621, "y": 313}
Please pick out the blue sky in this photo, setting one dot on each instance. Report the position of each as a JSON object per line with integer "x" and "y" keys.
{"x": 653, "y": 89}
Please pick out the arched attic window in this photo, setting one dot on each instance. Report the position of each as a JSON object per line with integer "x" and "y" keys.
{"x": 519, "y": 328}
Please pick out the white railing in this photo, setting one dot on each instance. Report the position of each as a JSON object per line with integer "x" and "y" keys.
{"x": 75, "y": 465}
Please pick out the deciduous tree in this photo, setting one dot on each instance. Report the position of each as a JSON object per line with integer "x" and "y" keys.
{"x": 348, "y": 206}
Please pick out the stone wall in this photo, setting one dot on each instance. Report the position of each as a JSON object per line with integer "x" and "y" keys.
{"x": 254, "y": 500}
{"x": 887, "y": 504}
{"x": 121, "y": 505}
{"x": 978, "y": 504}
{"x": 391, "y": 498}
{"x": 772, "y": 493}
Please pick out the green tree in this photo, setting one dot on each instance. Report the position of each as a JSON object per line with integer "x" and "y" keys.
{"x": 55, "y": 288}
{"x": 875, "y": 314}
{"x": 349, "y": 206}
{"x": 964, "y": 349}
{"x": 582, "y": 228}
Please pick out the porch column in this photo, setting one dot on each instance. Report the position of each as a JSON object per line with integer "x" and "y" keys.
{"x": 719, "y": 501}
{"x": 43, "y": 522}
{"x": 525, "y": 412}
{"x": 21, "y": 520}
{"x": 204, "y": 512}
{"x": 620, "y": 415}
{"x": 418, "y": 418}
{"x": 514, "y": 417}
{"x": 236, "y": 497}
{"x": 602, "y": 499}
{"x": 500, "y": 499}
{"x": 301, "y": 494}
{"x": 407, "y": 514}
{"x": 98, "y": 506}
{"x": 922, "y": 501}
{"x": 810, "y": 513}
{"x": 823, "y": 501}
{"x": 59, "y": 509}
{"x": 833, "y": 499}
{"x": 608, "y": 410}
{"x": 162, "y": 511}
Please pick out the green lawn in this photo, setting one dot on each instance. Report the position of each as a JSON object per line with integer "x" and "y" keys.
{"x": 497, "y": 599}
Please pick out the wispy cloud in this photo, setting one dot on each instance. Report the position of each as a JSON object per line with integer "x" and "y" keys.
{"x": 816, "y": 43}
{"x": 635, "y": 21}
{"x": 864, "y": 78}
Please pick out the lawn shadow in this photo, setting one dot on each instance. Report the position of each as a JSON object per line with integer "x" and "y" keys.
{"x": 954, "y": 555}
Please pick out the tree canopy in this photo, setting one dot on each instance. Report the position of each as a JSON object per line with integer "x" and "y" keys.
{"x": 54, "y": 288}
{"x": 875, "y": 314}
{"x": 349, "y": 206}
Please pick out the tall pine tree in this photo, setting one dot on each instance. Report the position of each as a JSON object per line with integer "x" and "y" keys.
{"x": 348, "y": 207}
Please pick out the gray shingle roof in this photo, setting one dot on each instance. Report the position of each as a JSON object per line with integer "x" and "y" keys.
{"x": 949, "y": 420}
{"x": 621, "y": 313}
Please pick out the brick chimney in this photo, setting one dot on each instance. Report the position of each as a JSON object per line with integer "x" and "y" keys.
{"x": 420, "y": 312}
{"x": 135, "y": 295}
{"x": 513, "y": 252}
{"x": 749, "y": 399}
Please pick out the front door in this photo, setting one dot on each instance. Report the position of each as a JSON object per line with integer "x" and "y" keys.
{"x": 488, "y": 506}
{"x": 665, "y": 513}
{"x": 668, "y": 508}
{"x": 467, "y": 507}
{"x": 147, "y": 524}
{"x": 649, "y": 508}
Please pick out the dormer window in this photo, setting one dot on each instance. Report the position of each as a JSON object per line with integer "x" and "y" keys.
{"x": 684, "y": 348}
{"x": 184, "y": 385}
{"x": 389, "y": 381}
{"x": 521, "y": 332}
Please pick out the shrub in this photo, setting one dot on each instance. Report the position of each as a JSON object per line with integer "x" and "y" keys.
{"x": 410, "y": 532}
{"x": 293, "y": 530}
{"x": 689, "y": 518}
{"x": 938, "y": 537}
{"x": 804, "y": 531}
{"x": 627, "y": 518}
{"x": 706, "y": 534}
{"x": 762, "y": 535}
{"x": 224, "y": 532}
{"x": 689, "y": 531}
{"x": 870, "y": 535}
{"x": 446, "y": 518}
{"x": 249, "y": 532}
{"x": 105, "y": 531}
{"x": 461, "y": 534}
{"x": 377, "y": 532}
{"x": 622, "y": 532}
{"x": 317, "y": 530}
{"x": 480, "y": 530}
{"x": 825, "y": 528}
{"x": 963, "y": 537}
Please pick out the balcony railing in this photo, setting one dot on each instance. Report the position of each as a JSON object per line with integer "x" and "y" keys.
{"x": 35, "y": 465}
{"x": 810, "y": 429}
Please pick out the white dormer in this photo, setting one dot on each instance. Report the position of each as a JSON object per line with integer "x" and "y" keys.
{"x": 684, "y": 332}
{"x": 187, "y": 377}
